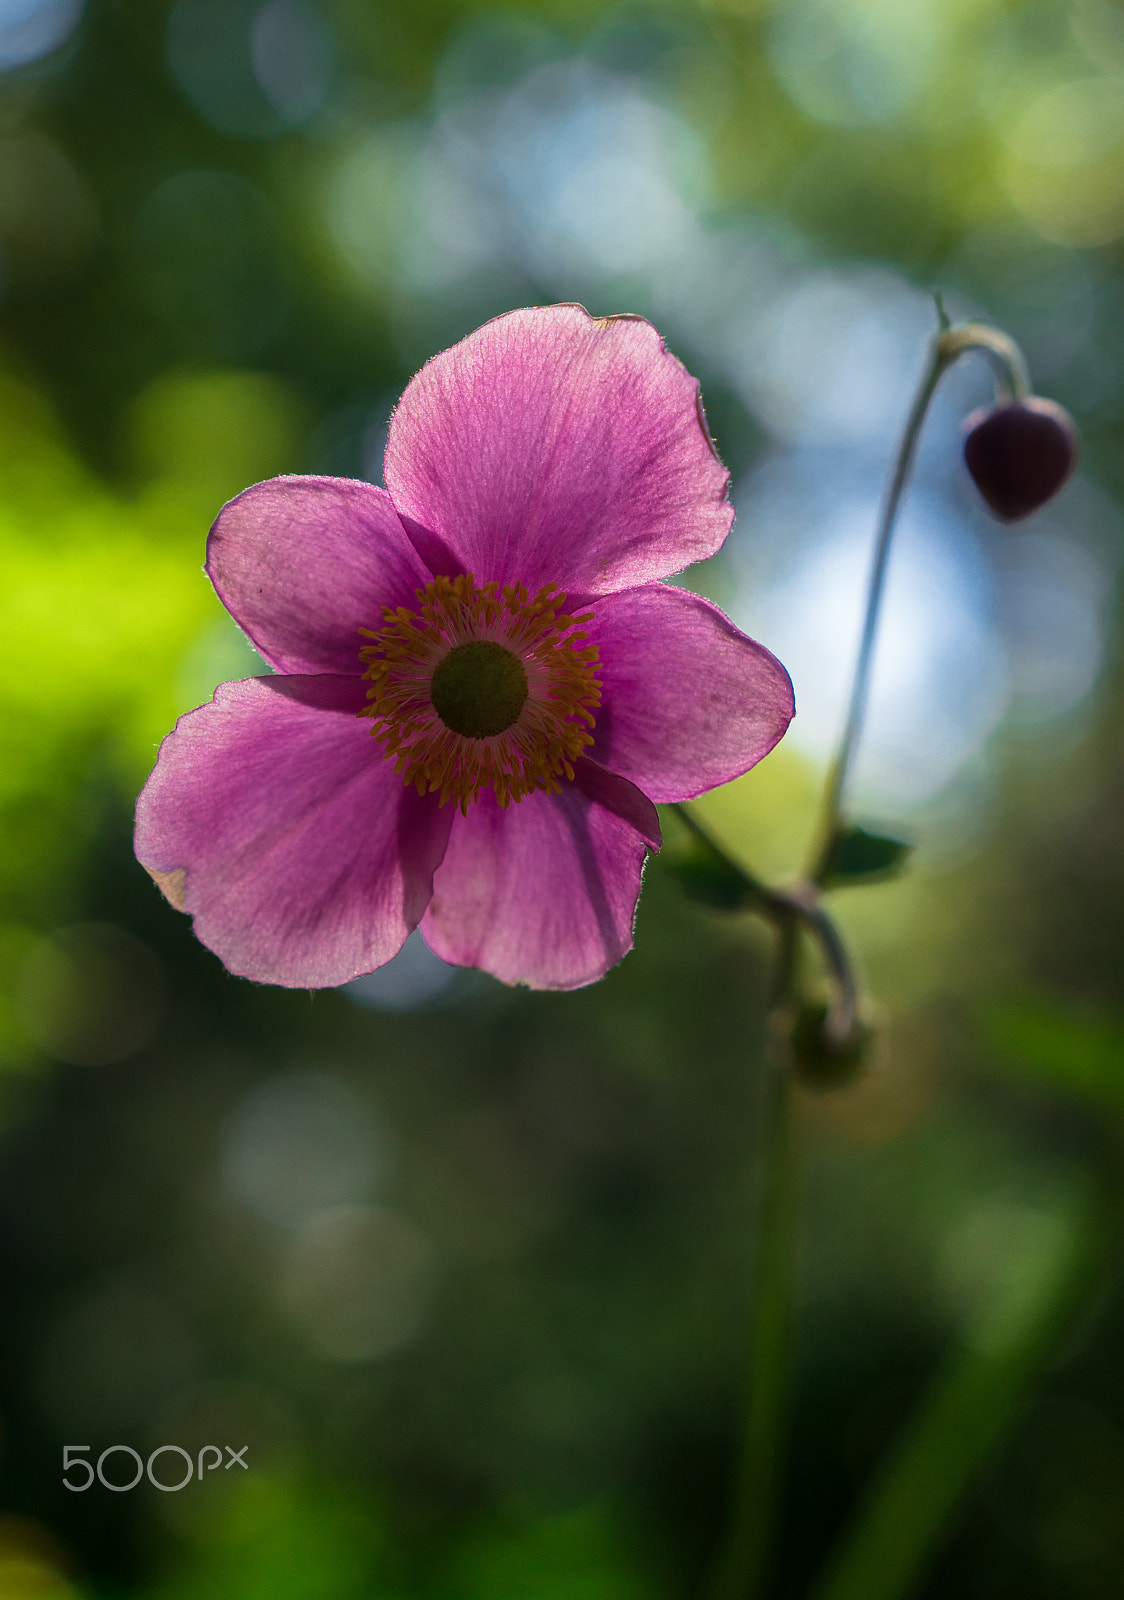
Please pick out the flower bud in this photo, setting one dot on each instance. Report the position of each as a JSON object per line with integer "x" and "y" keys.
{"x": 821, "y": 1060}
{"x": 1020, "y": 454}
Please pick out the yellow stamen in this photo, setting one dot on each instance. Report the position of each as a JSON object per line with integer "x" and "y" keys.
{"x": 541, "y": 734}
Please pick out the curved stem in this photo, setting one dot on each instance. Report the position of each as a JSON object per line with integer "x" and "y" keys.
{"x": 860, "y": 683}
{"x": 843, "y": 1014}
{"x": 1013, "y": 382}
{"x": 1012, "y": 377}
{"x": 796, "y": 908}
{"x": 752, "y": 885}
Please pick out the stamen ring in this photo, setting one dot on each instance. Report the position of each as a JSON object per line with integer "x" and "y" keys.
{"x": 482, "y": 686}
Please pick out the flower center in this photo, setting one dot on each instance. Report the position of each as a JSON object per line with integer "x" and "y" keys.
{"x": 479, "y": 689}
{"x": 482, "y": 687}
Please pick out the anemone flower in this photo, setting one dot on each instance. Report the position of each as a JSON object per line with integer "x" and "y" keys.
{"x": 480, "y": 684}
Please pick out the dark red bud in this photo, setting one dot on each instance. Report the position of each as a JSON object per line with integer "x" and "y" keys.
{"x": 1020, "y": 454}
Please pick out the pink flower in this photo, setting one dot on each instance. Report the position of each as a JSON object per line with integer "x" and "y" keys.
{"x": 496, "y": 622}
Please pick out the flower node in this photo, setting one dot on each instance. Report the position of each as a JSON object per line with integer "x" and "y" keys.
{"x": 482, "y": 686}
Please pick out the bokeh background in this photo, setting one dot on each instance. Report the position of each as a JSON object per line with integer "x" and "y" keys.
{"x": 467, "y": 1268}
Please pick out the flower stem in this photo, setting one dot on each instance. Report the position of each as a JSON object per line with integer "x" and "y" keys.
{"x": 799, "y": 909}
{"x": 744, "y": 1565}
{"x": 1012, "y": 383}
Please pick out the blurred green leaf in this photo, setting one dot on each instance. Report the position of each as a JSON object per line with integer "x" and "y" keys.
{"x": 577, "y": 1556}
{"x": 860, "y": 857}
{"x": 1078, "y": 1056}
{"x": 1045, "y": 1286}
{"x": 706, "y": 875}
{"x": 266, "y": 1539}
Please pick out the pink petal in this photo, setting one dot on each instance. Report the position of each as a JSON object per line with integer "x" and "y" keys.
{"x": 303, "y": 563}
{"x": 688, "y": 702}
{"x": 274, "y": 819}
{"x": 545, "y": 892}
{"x": 553, "y": 447}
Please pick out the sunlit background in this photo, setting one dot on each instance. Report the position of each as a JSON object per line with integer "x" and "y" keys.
{"x": 466, "y": 1269}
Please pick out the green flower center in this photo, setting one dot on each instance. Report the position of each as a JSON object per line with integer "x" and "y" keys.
{"x": 479, "y": 689}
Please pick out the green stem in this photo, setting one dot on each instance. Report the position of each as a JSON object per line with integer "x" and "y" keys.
{"x": 744, "y": 1565}
{"x": 1012, "y": 382}
{"x": 790, "y": 909}
{"x": 754, "y": 888}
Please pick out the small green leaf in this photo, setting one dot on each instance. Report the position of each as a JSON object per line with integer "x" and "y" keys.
{"x": 857, "y": 856}
{"x": 1078, "y": 1056}
{"x": 707, "y": 876}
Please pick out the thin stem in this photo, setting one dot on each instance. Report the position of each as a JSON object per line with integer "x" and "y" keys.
{"x": 707, "y": 839}
{"x": 744, "y": 1562}
{"x": 790, "y": 910}
{"x": 744, "y": 1565}
{"x": 803, "y": 902}
{"x": 1012, "y": 377}
{"x": 860, "y": 683}
{"x": 1013, "y": 382}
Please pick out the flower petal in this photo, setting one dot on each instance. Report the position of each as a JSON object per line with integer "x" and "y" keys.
{"x": 545, "y": 892}
{"x": 275, "y": 820}
{"x": 687, "y": 700}
{"x": 302, "y": 564}
{"x": 554, "y": 447}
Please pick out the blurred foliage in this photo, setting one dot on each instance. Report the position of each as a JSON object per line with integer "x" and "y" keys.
{"x": 228, "y": 234}
{"x": 1077, "y": 1056}
{"x": 857, "y": 855}
{"x": 709, "y": 876}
